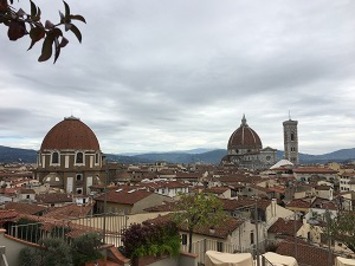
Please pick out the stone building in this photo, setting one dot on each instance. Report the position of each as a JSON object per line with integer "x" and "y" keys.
{"x": 70, "y": 158}
{"x": 245, "y": 149}
{"x": 291, "y": 140}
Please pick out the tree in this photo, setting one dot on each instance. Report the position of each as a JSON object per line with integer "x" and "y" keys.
{"x": 198, "y": 210}
{"x": 85, "y": 248}
{"x": 21, "y": 23}
{"x": 342, "y": 228}
{"x": 151, "y": 239}
{"x": 55, "y": 252}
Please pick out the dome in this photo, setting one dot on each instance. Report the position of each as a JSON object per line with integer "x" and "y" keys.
{"x": 244, "y": 137}
{"x": 71, "y": 134}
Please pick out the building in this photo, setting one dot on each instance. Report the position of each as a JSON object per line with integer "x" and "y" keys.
{"x": 70, "y": 158}
{"x": 291, "y": 141}
{"x": 245, "y": 149}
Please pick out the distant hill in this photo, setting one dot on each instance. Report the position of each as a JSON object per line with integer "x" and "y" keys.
{"x": 8, "y": 154}
{"x": 212, "y": 157}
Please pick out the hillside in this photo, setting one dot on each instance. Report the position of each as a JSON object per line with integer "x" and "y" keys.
{"x": 8, "y": 154}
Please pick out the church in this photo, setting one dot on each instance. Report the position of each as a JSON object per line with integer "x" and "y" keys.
{"x": 70, "y": 157}
{"x": 245, "y": 149}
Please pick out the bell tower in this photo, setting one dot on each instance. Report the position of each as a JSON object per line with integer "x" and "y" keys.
{"x": 291, "y": 140}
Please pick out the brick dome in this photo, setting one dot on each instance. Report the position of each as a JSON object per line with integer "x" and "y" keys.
{"x": 244, "y": 137}
{"x": 70, "y": 134}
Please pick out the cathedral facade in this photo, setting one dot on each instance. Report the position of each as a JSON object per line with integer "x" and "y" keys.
{"x": 245, "y": 149}
{"x": 70, "y": 158}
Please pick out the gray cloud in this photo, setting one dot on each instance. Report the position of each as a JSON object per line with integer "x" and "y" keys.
{"x": 163, "y": 75}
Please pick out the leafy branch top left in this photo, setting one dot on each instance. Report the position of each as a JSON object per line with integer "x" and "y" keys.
{"x": 21, "y": 23}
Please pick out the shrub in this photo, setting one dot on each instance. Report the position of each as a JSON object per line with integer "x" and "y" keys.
{"x": 57, "y": 252}
{"x": 151, "y": 239}
{"x": 86, "y": 248}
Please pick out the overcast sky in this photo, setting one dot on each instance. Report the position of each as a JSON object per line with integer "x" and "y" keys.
{"x": 160, "y": 75}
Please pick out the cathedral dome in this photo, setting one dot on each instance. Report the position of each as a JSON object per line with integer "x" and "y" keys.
{"x": 70, "y": 134}
{"x": 244, "y": 137}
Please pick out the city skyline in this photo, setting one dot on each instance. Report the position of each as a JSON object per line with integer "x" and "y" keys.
{"x": 165, "y": 76}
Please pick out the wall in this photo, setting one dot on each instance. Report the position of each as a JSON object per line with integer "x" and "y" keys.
{"x": 13, "y": 247}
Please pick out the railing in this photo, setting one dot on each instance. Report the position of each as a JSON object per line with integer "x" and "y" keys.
{"x": 110, "y": 226}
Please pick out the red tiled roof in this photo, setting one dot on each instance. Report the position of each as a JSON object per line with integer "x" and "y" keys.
{"x": 54, "y": 198}
{"x": 216, "y": 190}
{"x": 298, "y": 203}
{"x": 285, "y": 227}
{"x": 8, "y": 214}
{"x": 220, "y": 231}
{"x": 68, "y": 212}
{"x": 127, "y": 196}
{"x": 24, "y": 208}
{"x": 244, "y": 137}
{"x": 71, "y": 133}
{"x": 231, "y": 205}
{"x": 306, "y": 254}
{"x": 314, "y": 170}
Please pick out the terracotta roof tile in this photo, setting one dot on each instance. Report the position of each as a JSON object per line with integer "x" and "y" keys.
{"x": 70, "y": 133}
{"x": 68, "y": 212}
{"x": 54, "y": 198}
{"x": 25, "y": 208}
{"x": 307, "y": 254}
{"x": 285, "y": 227}
{"x": 128, "y": 196}
{"x": 220, "y": 231}
{"x": 8, "y": 214}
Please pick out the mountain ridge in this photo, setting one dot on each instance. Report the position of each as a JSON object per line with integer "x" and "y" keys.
{"x": 10, "y": 155}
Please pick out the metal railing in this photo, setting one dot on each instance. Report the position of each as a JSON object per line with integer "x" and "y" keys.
{"x": 110, "y": 226}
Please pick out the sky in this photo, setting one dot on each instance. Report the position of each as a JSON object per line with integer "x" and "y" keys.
{"x": 158, "y": 75}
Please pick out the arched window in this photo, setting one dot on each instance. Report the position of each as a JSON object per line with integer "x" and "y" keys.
{"x": 79, "y": 157}
{"x": 55, "y": 157}
{"x": 292, "y": 137}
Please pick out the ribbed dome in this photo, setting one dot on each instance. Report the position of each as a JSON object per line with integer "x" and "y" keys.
{"x": 70, "y": 133}
{"x": 244, "y": 137}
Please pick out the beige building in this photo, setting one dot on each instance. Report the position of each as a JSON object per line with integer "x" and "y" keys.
{"x": 128, "y": 200}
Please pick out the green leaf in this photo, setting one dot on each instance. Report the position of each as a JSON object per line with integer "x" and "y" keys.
{"x": 78, "y": 17}
{"x": 67, "y": 9}
{"x": 46, "y": 48}
{"x": 76, "y": 31}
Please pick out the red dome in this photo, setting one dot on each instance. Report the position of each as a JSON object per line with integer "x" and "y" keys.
{"x": 244, "y": 137}
{"x": 71, "y": 134}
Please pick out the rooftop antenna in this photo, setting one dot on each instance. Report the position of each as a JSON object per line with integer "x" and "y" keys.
{"x": 289, "y": 115}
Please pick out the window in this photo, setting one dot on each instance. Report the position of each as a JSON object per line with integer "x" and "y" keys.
{"x": 55, "y": 157}
{"x": 79, "y": 177}
{"x": 79, "y": 157}
{"x": 184, "y": 239}
{"x": 96, "y": 158}
{"x": 292, "y": 137}
{"x": 220, "y": 246}
{"x": 251, "y": 238}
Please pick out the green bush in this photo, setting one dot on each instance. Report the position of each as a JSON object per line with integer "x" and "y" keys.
{"x": 151, "y": 239}
{"x": 57, "y": 252}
